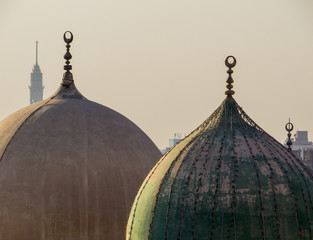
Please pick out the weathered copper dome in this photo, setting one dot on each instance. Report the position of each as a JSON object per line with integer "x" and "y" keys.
{"x": 228, "y": 179}
{"x": 70, "y": 169}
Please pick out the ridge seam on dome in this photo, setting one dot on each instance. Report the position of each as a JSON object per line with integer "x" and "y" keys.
{"x": 258, "y": 181}
{"x": 302, "y": 165}
{"x": 215, "y": 121}
{"x": 163, "y": 180}
{"x": 256, "y": 144}
{"x": 170, "y": 168}
{"x": 300, "y": 172}
{"x": 278, "y": 224}
{"x": 301, "y": 187}
{"x": 288, "y": 180}
{"x": 234, "y": 161}
{"x": 204, "y": 126}
{"x": 36, "y": 110}
{"x": 218, "y": 168}
{"x": 272, "y": 185}
{"x": 186, "y": 183}
{"x": 246, "y": 118}
{"x": 216, "y": 130}
{"x": 309, "y": 195}
{"x": 197, "y": 195}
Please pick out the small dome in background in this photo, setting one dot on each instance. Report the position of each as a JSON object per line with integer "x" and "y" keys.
{"x": 70, "y": 168}
{"x": 228, "y": 179}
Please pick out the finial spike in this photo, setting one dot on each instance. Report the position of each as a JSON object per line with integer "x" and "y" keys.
{"x": 230, "y": 62}
{"x": 289, "y": 128}
{"x": 36, "y": 53}
{"x": 68, "y": 76}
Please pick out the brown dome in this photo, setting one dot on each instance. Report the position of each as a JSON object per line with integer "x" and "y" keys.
{"x": 70, "y": 169}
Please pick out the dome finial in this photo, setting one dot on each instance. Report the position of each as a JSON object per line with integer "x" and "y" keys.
{"x": 68, "y": 76}
{"x": 230, "y": 62}
{"x": 289, "y": 128}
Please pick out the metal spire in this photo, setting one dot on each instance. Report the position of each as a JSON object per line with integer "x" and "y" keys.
{"x": 230, "y": 62}
{"x": 67, "y": 76}
{"x": 289, "y": 128}
{"x": 36, "y": 53}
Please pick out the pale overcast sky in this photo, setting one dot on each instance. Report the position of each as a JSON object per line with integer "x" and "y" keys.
{"x": 161, "y": 63}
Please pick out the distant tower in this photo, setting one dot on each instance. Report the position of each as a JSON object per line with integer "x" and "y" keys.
{"x": 36, "y": 88}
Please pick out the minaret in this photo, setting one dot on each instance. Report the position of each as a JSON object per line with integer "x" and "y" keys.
{"x": 36, "y": 88}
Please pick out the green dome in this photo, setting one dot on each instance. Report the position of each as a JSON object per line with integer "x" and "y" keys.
{"x": 228, "y": 179}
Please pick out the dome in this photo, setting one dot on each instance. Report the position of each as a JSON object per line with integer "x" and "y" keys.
{"x": 70, "y": 168}
{"x": 228, "y": 179}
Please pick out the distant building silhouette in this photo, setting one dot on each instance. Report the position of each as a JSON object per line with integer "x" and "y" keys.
{"x": 36, "y": 87}
{"x": 303, "y": 148}
{"x": 172, "y": 142}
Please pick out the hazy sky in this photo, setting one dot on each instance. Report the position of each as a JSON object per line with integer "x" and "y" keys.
{"x": 161, "y": 63}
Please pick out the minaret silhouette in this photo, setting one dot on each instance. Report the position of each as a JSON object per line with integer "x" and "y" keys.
{"x": 36, "y": 87}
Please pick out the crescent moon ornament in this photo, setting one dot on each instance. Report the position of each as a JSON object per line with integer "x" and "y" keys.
{"x": 289, "y": 127}
{"x": 68, "y": 40}
{"x": 229, "y": 63}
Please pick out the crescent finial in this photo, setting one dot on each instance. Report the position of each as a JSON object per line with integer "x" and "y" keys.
{"x": 289, "y": 128}
{"x": 68, "y": 76}
{"x": 230, "y": 62}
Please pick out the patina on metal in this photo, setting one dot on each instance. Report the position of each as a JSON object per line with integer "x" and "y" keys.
{"x": 68, "y": 76}
{"x": 228, "y": 179}
{"x": 230, "y": 62}
{"x": 289, "y": 128}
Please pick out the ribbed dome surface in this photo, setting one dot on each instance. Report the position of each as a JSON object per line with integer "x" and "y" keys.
{"x": 69, "y": 170}
{"x": 228, "y": 179}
